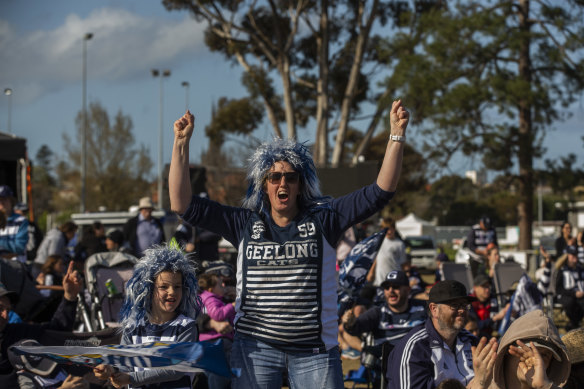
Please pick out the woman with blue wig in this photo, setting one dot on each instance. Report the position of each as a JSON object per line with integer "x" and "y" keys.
{"x": 285, "y": 234}
{"x": 161, "y": 303}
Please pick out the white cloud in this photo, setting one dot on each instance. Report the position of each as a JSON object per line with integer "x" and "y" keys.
{"x": 124, "y": 46}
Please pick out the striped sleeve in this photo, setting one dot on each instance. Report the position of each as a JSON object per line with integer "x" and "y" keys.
{"x": 410, "y": 365}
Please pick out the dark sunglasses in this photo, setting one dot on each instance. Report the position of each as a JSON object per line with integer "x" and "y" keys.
{"x": 459, "y": 306}
{"x": 276, "y": 177}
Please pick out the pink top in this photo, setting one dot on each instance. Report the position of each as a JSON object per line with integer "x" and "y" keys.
{"x": 219, "y": 311}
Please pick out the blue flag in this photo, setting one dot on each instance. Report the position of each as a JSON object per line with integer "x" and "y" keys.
{"x": 187, "y": 357}
{"x": 354, "y": 269}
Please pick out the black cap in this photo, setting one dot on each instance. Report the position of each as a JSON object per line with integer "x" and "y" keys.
{"x": 487, "y": 221}
{"x": 449, "y": 290}
{"x": 116, "y": 236}
{"x": 13, "y": 296}
{"x": 481, "y": 279}
{"x": 396, "y": 278}
{"x": 21, "y": 207}
{"x": 571, "y": 249}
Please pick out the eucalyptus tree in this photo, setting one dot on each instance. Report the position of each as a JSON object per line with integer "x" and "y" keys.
{"x": 489, "y": 79}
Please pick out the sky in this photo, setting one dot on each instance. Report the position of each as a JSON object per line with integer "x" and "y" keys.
{"x": 41, "y": 46}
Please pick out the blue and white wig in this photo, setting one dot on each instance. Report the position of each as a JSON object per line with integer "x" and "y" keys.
{"x": 297, "y": 155}
{"x": 140, "y": 288}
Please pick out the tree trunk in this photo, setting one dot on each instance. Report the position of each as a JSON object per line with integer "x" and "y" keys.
{"x": 284, "y": 69}
{"x": 525, "y": 207}
{"x": 351, "y": 88}
{"x": 321, "y": 142}
{"x": 381, "y": 106}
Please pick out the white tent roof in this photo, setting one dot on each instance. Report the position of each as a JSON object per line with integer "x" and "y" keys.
{"x": 412, "y": 225}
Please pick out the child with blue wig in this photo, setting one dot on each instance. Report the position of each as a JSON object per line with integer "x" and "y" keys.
{"x": 286, "y": 232}
{"x": 161, "y": 303}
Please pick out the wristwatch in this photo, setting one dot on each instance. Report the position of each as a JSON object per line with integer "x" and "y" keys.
{"x": 397, "y": 138}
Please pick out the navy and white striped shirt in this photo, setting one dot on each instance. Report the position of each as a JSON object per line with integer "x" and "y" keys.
{"x": 181, "y": 329}
{"x": 570, "y": 280}
{"x": 286, "y": 279}
{"x": 387, "y": 325}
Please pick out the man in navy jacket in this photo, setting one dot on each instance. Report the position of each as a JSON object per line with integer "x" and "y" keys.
{"x": 441, "y": 348}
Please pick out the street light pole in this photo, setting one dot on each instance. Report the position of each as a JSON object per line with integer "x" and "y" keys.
{"x": 186, "y": 85}
{"x": 161, "y": 74}
{"x": 8, "y": 92}
{"x": 86, "y": 37}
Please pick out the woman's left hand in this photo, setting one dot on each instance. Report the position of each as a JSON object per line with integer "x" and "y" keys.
{"x": 399, "y": 118}
{"x": 531, "y": 364}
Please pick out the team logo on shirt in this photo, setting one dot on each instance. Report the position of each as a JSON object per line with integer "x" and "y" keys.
{"x": 257, "y": 229}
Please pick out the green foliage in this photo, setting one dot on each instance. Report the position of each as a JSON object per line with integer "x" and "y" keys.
{"x": 43, "y": 180}
{"x": 234, "y": 116}
{"x": 117, "y": 168}
{"x": 563, "y": 176}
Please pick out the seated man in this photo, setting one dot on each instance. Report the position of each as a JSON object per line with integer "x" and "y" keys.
{"x": 485, "y": 309}
{"x": 394, "y": 319}
{"x": 63, "y": 320}
{"x": 387, "y": 323}
{"x": 570, "y": 288}
{"x": 441, "y": 348}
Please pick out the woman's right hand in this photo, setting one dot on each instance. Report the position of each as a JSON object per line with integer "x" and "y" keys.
{"x": 183, "y": 127}
{"x": 103, "y": 372}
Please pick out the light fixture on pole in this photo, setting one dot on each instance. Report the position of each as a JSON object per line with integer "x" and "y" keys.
{"x": 161, "y": 74}
{"x": 8, "y": 92}
{"x": 186, "y": 85}
{"x": 86, "y": 37}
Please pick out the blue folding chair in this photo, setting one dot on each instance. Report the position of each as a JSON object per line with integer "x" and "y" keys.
{"x": 360, "y": 376}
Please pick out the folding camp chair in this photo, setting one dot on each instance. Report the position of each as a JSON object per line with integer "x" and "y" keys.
{"x": 100, "y": 268}
{"x": 459, "y": 272}
{"x": 505, "y": 275}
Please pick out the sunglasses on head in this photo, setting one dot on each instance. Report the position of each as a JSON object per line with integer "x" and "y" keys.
{"x": 276, "y": 177}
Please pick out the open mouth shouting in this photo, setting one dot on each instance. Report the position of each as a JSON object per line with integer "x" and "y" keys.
{"x": 283, "y": 195}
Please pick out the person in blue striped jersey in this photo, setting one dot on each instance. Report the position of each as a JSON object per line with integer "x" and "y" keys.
{"x": 161, "y": 304}
{"x": 286, "y": 232}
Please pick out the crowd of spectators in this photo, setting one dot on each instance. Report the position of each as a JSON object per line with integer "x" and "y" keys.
{"x": 408, "y": 332}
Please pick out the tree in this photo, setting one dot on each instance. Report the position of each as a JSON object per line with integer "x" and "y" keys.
{"x": 325, "y": 54}
{"x": 230, "y": 117}
{"x": 117, "y": 170}
{"x": 489, "y": 78}
{"x": 43, "y": 180}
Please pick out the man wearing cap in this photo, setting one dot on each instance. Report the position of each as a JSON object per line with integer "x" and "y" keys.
{"x": 481, "y": 235}
{"x": 485, "y": 309}
{"x": 62, "y": 320}
{"x": 143, "y": 231}
{"x": 570, "y": 287}
{"x": 391, "y": 321}
{"x": 14, "y": 235}
{"x": 441, "y": 348}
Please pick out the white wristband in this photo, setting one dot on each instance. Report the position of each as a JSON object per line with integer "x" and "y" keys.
{"x": 397, "y": 138}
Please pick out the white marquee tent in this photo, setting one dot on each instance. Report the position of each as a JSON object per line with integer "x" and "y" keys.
{"x": 411, "y": 225}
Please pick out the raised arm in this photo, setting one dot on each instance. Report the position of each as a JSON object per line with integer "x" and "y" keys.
{"x": 392, "y": 161}
{"x": 179, "y": 180}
